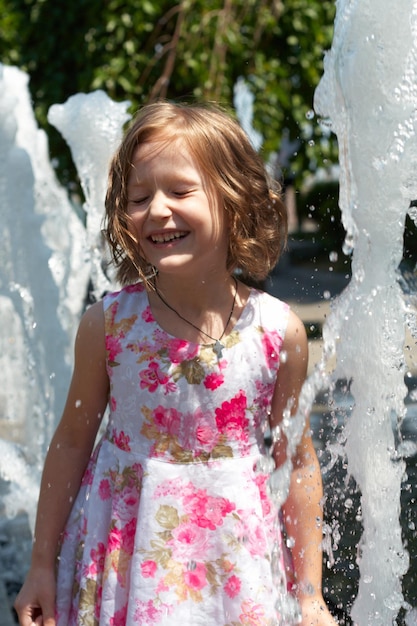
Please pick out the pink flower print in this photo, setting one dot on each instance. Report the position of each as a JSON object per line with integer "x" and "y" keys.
{"x": 180, "y": 350}
{"x": 251, "y": 534}
{"x": 200, "y": 437}
{"x": 195, "y": 577}
{"x": 128, "y": 536}
{"x": 113, "y": 347}
{"x": 148, "y": 613}
{"x": 256, "y": 544}
{"x": 97, "y": 557}
{"x": 148, "y": 569}
{"x": 169, "y": 487}
{"x": 213, "y": 380}
{"x": 231, "y": 418}
{"x": 104, "y": 489}
{"x": 261, "y": 481}
{"x": 114, "y": 540}
{"x": 271, "y": 344}
{"x": 167, "y": 420}
{"x": 264, "y": 394}
{"x": 207, "y": 437}
{"x": 147, "y": 315}
{"x": 122, "y": 538}
{"x": 232, "y": 586}
{"x": 161, "y": 587}
{"x": 252, "y": 614}
{"x": 119, "y": 618}
{"x": 161, "y": 339}
{"x": 137, "y": 470}
{"x": 88, "y": 476}
{"x": 188, "y": 542}
{"x": 152, "y": 377}
{"x": 136, "y": 287}
{"x": 121, "y": 440}
{"x": 262, "y": 404}
{"x": 113, "y": 403}
{"x": 206, "y": 511}
{"x": 97, "y": 605}
{"x": 125, "y": 503}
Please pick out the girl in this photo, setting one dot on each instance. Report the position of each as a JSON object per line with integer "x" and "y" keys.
{"x": 169, "y": 522}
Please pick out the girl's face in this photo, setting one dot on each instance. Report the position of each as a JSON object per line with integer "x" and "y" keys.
{"x": 179, "y": 225}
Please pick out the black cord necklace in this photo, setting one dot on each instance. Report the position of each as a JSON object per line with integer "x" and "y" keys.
{"x": 217, "y": 346}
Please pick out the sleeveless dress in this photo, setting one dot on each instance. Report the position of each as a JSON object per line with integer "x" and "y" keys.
{"x": 173, "y": 524}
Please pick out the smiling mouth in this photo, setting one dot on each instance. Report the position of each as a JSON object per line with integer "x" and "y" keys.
{"x": 167, "y": 237}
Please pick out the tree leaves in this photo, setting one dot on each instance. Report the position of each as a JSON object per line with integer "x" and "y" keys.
{"x": 193, "y": 49}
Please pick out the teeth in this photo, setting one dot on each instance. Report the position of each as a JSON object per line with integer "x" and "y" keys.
{"x": 167, "y": 237}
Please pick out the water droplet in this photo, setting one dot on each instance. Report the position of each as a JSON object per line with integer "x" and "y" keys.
{"x": 348, "y": 245}
{"x": 333, "y": 256}
{"x": 310, "y": 114}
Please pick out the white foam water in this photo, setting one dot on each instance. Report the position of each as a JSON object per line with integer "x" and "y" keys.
{"x": 92, "y": 126}
{"x": 368, "y": 97}
{"x": 48, "y": 260}
{"x": 43, "y": 274}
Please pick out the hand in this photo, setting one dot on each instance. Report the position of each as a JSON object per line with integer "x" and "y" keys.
{"x": 315, "y": 612}
{"x": 35, "y": 603}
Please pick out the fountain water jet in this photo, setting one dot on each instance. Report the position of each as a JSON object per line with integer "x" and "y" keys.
{"x": 92, "y": 126}
{"x": 47, "y": 261}
{"x": 43, "y": 276}
{"x": 369, "y": 95}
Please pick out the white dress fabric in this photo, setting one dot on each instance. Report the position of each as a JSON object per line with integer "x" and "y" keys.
{"x": 173, "y": 524}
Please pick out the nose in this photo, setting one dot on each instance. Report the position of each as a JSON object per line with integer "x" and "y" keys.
{"x": 159, "y": 207}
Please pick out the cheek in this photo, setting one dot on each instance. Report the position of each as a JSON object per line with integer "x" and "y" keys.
{"x": 134, "y": 222}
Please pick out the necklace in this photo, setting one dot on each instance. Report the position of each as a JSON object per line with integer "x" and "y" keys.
{"x": 217, "y": 346}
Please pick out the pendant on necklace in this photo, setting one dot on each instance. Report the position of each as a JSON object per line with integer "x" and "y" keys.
{"x": 218, "y": 348}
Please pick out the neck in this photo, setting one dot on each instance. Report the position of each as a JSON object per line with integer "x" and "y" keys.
{"x": 196, "y": 295}
{"x": 217, "y": 344}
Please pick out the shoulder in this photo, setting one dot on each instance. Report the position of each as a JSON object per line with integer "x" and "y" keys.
{"x": 295, "y": 346}
{"x": 295, "y": 336}
{"x": 91, "y": 327}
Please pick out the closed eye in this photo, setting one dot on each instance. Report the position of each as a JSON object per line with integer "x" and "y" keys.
{"x": 181, "y": 193}
{"x": 139, "y": 200}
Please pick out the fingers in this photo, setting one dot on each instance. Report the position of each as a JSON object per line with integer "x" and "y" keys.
{"x": 35, "y": 608}
{"x": 33, "y": 616}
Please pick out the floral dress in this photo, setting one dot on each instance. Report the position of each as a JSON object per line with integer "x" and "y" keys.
{"x": 173, "y": 524}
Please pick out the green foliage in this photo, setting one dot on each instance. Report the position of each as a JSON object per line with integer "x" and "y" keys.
{"x": 142, "y": 50}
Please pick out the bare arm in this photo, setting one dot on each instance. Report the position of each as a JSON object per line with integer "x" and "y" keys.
{"x": 302, "y": 509}
{"x": 65, "y": 464}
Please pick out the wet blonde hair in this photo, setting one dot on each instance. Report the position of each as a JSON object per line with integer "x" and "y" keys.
{"x": 233, "y": 172}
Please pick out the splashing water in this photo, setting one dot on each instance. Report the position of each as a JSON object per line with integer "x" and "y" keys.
{"x": 47, "y": 261}
{"x": 91, "y": 124}
{"x": 43, "y": 276}
{"x": 369, "y": 95}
